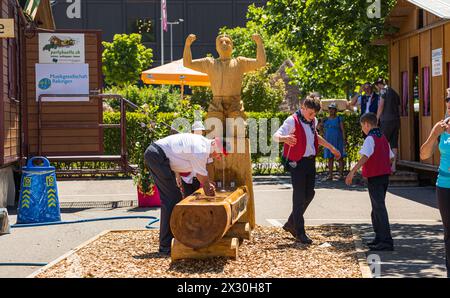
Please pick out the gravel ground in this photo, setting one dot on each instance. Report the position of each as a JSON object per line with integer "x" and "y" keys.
{"x": 271, "y": 253}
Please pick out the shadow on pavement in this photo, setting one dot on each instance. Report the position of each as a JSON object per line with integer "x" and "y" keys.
{"x": 422, "y": 195}
{"x": 419, "y": 250}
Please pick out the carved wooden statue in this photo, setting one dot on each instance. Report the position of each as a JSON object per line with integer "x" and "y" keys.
{"x": 214, "y": 227}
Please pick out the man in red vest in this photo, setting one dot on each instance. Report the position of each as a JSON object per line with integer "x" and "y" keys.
{"x": 301, "y": 145}
{"x": 376, "y": 159}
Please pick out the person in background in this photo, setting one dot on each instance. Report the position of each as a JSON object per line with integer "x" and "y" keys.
{"x": 301, "y": 145}
{"x": 388, "y": 115}
{"x": 440, "y": 135}
{"x": 187, "y": 182}
{"x": 333, "y": 127}
{"x": 367, "y": 102}
{"x": 376, "y": 157}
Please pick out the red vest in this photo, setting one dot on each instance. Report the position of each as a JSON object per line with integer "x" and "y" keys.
{"x": 298, "y": 150}
{"x": 378, "y": 163}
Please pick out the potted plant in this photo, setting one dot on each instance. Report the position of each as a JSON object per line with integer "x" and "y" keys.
{"x": 148, "y": 195}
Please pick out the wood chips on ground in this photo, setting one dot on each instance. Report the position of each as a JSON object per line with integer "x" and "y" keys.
{"x": 271, "y": 253}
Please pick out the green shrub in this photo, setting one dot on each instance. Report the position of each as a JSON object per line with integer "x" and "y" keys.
{"x": 124, "y": 59}
{"x": 165, "y": 98}
{"x": 201, "y": 96}
{"x": 260, "y": 93}
{"x": 139, "y": 137}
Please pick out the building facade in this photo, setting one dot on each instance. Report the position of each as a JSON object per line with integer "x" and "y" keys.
{"x": 201, "y": 17}
{"x": 419, "y": 66}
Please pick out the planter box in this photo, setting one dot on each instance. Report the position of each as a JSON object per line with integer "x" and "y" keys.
{"x": 149, "y": 199}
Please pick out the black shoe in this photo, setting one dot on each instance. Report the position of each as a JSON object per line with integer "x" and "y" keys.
{"x": 303, "y": 238}
{"x": 290, "y": 230}
{"x": 381, "y": 247}
{"x": 164, "y": 250}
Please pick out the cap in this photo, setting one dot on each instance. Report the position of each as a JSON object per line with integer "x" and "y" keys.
{"x": 332, "y": 106}
{"x": 198, "y": 125}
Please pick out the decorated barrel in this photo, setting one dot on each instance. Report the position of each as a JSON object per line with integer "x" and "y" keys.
{"x": 199, "y": 221}
{"x": 38, "y": 200}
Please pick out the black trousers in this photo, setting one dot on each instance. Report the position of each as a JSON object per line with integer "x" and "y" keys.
{"x": 159, "y": 166}
{"x": 380, "y": 221}
{"x": 190, "y": 188}
{"x": 303, "y": 182}
{"x": 443, "y": 198}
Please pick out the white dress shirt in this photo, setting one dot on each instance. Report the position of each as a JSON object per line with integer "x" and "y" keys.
{"x": 288, "y": 128}
{"x": 369, "y": 147}
{"x": 186, "y": 152}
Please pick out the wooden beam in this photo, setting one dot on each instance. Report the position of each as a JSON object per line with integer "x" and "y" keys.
{"x": 240, "y": 230}
{"x": 199, "y": 221}
{"x": 225, "y": 247}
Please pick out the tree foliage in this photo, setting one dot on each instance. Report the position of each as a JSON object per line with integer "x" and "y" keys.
{"x": 331, "y": 41}
{"x": 261, "y": 93}
{"x": 276, "y": 51}
{"x": 124, "y": 59}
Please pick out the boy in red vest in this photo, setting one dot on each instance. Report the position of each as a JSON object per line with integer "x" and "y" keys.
{"x": 376, "y": 159}
{"x": 301, "y": 145}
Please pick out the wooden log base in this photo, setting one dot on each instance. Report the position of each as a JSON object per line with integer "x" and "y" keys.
{"x": 199, "y": 221}
{"x": 240, "y": 230}
{"x": 225, "y": 247}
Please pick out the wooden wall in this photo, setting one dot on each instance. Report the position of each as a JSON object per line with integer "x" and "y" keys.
{"x": 403, "y": 48}
{"x": 79, "y": 141}
{"x": 430, "y": 19}
{"x": 10, "y": 95}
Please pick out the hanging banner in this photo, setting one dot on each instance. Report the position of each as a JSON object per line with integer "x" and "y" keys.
{"x": 62, "y": 79}
{"x": 61, "y": 48}
{"x": 31, "y": 7}
{"x": 436, "y": 62}
{"x": 164, "y": 14}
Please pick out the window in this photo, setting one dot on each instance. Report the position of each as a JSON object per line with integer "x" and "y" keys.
{"x": 143, "y": 26}
{"x": 448, "y": 74}
{"x": 426, "y": 90}
{"x": 420, "y": 19}
{"x": 405, "y": 94}
{"x": 12, "y": 69}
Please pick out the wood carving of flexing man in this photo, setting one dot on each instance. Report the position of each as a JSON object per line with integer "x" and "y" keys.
{"x": 225, "y": 74}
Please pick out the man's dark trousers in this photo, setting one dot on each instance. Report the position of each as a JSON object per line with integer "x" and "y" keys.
{"x": 380, "y": 221}
{"x": 159, "y": 166}
{"x": 303, "y": 182}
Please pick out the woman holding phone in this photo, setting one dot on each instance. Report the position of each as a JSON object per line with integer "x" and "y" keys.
{"x": 440, "y": 135}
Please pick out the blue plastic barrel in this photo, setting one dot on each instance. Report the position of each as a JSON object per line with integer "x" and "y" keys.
{"x": 38, "y": 200}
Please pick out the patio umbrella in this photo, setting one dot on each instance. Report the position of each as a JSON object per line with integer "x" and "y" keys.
{"x": 175, "y": 73}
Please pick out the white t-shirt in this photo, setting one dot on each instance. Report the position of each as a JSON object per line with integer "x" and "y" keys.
{"x": 186, "y": 152}
{"x": 369, "y": 147}
{"x": 288, "y": 128}
{"x": 189, "y": 178}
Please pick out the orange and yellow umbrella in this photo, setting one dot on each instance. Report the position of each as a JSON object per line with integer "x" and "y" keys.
{"x": 175, "y": 73}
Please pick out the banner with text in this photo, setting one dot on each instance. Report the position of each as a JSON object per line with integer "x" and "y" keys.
{"x": 61, "y": 48}
{"x": 62, "y": 79}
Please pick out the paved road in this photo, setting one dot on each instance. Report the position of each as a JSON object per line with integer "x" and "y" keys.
{"x": 415, "y": 220}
